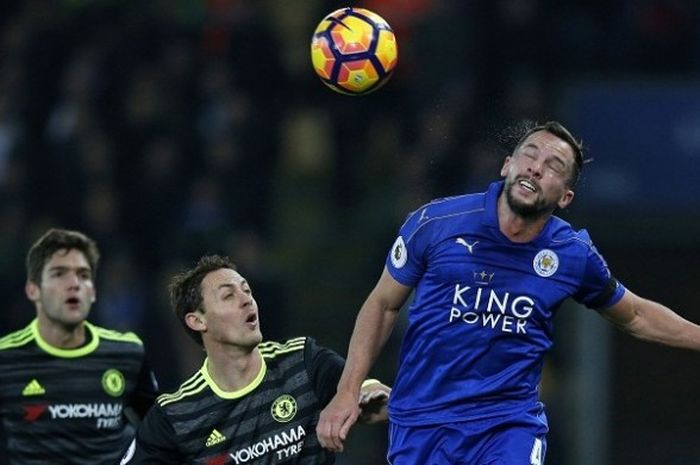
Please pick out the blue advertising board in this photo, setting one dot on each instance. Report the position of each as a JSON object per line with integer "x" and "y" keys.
{"x": 644, "y": 139}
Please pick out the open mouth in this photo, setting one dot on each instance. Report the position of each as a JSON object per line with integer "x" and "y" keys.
{"x": 73, "y": 302}
{"x": 252, "y": 319}
{"x": 527, "y": 185}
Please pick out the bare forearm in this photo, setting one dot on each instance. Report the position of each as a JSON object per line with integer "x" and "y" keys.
{"x": 657, "y": 323}
{"x": 372, "y": 328}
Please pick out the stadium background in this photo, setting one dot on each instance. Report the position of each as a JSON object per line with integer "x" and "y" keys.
{"x": 171, "y": 128}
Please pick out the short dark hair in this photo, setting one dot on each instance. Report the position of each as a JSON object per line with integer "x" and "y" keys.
{"x": 59, "y": 239}
{"x": 185, "y": 289}
{"x": 557, "y": 129}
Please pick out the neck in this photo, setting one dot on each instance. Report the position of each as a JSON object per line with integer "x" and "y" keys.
{"x": 61, "y": 336}
{"x": 233, "y": 368}
{"x": 516, "y": 227}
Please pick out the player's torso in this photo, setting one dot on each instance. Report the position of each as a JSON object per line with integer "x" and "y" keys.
{"x": 474, "y": 281}
{"x": 53, "y": 407}
{"x": 481, "y": 317}
{"x": 273, "y": 424}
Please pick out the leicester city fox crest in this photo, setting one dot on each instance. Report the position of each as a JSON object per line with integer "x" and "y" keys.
{"x": 545, "y": 263}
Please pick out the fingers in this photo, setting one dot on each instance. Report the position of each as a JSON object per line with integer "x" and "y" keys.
{"x": 326, "y": 436}
{"x": 373, "y": 404}
{"x": 329, "y": 434}
{"x": 367, "y": 397}
{"x": 374, "y": 390}
{"x": 345, "y": 428}
{"x": 334, "y": 424}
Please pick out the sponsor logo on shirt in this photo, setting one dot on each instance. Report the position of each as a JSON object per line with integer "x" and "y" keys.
{"x": 284, "y": 445}
{"x": 491, "y": 308}
{"x": 33, "y": 412}
{"x": 107, "y": 416}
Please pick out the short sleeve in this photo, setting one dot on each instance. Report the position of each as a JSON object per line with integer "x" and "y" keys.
{"x": 599, "y": 288}
{"x": 146, "y": 389}
{"x": 324, "y": 367}
{"x": 406, "y": 260}
{"x": 153, "y": 444}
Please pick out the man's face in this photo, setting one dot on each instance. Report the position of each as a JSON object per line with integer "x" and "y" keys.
{"x": 230, "y": 314}
{"x": 66, "y": 292}
{"x": 537, "y": 174}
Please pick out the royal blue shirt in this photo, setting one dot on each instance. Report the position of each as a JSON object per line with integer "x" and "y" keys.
{"x": 481, "y": 317}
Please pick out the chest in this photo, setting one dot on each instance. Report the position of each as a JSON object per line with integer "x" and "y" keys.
{"x": 32, "y": 374}
{"x": 39, "y": 391}
{"x": 273, "y": 424}
{"x": 476, "y": 271}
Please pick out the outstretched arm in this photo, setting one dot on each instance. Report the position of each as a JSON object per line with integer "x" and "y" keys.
{"x": 374, "y": 324}
{"x": 653, "y": 322}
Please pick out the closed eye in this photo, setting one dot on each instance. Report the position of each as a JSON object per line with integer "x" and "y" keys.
{"x": 556, "y": 165}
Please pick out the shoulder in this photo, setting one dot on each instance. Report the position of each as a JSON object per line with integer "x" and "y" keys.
{"x": 17, "y": 339}
{"x": 576, "y": 243}
{"x": 563, "y": 233}
{"x": 105, "y": 334}
{"x": 188, "y": 390}
{"x": 445, "y": 209}
{"x": 287, "y": 353}
{"x": 294, "y": 352}
{"x": 272, "y": 349}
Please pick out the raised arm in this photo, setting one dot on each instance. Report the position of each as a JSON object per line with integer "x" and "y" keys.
{"x": 653, "y": 322}
{"x": 375, "y": 321}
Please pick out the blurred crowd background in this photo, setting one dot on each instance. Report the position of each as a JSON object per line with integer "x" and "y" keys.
{"x": 167, "y": 129}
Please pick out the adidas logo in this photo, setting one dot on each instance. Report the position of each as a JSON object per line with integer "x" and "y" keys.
{"x": 215, "y": 438}
{"x": 33, "y": 388}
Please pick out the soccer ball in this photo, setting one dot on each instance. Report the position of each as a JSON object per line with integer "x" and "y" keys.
{"x": 353, "y": 51}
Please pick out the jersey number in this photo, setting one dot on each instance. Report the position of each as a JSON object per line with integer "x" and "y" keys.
{"x": 536, "y": 454}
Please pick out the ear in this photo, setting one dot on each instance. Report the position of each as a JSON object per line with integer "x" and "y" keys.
{"x": 32, "y": 290}
{"x": 506, "y": 165}
{"x": 566, "y": 199}
{"x": 195, "y": 321}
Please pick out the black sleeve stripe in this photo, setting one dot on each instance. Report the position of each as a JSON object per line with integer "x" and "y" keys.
{"x": 605, "y": 295}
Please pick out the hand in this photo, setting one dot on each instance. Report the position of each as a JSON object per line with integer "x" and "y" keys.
{"x": 373, "y": 402}
{"x": 336, "y": 420}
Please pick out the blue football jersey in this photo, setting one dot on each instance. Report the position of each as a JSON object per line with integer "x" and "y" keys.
{"x": 481, "y": 317}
